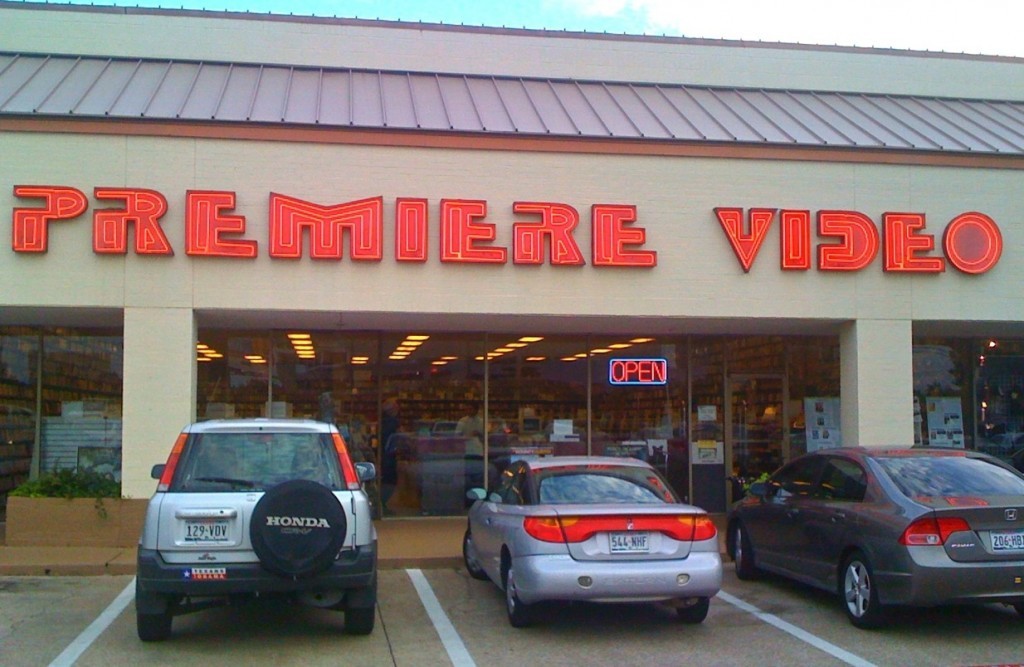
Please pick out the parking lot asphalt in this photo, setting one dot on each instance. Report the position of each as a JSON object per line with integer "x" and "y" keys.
{"x": 443, "y": 616}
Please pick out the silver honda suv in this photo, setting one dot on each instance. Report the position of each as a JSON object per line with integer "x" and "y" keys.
{"x": 249, "y": 508}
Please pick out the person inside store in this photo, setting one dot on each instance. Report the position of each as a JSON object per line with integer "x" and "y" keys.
{"x": 471, "y": 427}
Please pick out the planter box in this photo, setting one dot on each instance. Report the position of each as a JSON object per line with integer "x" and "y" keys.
{"x": 75, "y": 522}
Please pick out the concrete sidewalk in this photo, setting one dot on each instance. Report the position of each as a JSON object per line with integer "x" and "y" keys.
{"x": 427, "y": 542}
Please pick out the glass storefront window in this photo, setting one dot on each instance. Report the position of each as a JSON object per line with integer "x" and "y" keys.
{"x": 755, "y": 405}
{"x": 82, "y": 384}
{"x": 19, "y": 358}
{"x": 942, "y": 386}
{"x": 431, "y": 423}
{"x": 538, "y": 396}
{"x": 999, "y": 399}
{"x": 639, "y": 389}
{"x": 706, "y": 446}
{"x": 233, "y": 374}
{"x": 442, "y": 413}
{"x": 66, "y": 385}
{"x": 812, "y": 373}
{"x": 330, "y": 377}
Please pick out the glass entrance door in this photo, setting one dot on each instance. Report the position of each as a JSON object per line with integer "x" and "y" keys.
{"x": 755, "y": 438}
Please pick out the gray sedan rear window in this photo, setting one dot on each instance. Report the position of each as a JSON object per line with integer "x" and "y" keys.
{"x": 950, "y": 476}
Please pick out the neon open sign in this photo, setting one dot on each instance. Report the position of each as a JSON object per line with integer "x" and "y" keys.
{"x": 637, "y": 371}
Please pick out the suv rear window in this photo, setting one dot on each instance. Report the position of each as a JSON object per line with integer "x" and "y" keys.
{"x": 213, "y": 462}
{"x": 950, "y": 476}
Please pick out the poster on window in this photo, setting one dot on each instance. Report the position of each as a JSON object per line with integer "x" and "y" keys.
{"x": 945, "y": 421}
{"x": 708, "y": 452}
{"x": 821, "y": 416}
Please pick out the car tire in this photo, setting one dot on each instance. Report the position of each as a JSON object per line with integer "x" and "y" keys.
{"x": 520, "y": 614}
{"x": 859, "y": 593}
{"x": 298, "y": 551}
{"x": 1019, "y": 606}
{"x": 360, "y": 620}
{"x": 743, "y": 554}
{"x": 472, "y": 564}
{"x": 153, "y": 627}
{"x": 695, "y": 613}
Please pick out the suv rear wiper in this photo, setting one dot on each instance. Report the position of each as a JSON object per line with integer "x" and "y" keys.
{"x": 227, "y": 480}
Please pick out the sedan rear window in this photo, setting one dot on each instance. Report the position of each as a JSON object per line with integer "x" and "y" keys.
{"x": 256, "y": 461}
{"x": 950, "y": 476}
{"x": 595, "y": 485}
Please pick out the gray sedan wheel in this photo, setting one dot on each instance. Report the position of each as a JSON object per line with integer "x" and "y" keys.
{"x": 1020, "y": 608}
{"x": 860, "y": 596}
{"x": 743, "y": 554}
{"x": 520, "y": 614}
{"x": 469, "y": 557}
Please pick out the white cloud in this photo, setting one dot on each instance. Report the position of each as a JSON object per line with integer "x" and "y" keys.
{"x": 956, "y": 26}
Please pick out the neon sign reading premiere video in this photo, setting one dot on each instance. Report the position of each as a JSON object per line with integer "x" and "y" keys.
{"x": 541, "y": 233}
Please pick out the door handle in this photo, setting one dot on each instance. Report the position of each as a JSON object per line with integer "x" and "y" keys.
{"x": 837, "y": 517}
{"x": 792, "y": 514}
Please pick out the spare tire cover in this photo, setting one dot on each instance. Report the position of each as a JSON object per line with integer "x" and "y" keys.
{"x": 297, "y": 528}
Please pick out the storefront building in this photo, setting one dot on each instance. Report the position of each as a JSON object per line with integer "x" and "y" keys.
{"x": 464, "y": 245}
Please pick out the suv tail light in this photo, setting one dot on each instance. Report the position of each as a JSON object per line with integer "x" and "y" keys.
{"x": 574, "y": 529}
{"x": 932, "y": 532}
{"x": 172, "y": 463}
{"x": 347, "y": 469}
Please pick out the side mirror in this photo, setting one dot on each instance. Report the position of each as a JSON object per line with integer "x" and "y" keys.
{"x": 366, "y": 471}
{"x": 158, "y": 471}
{"x": 476, "y": 494}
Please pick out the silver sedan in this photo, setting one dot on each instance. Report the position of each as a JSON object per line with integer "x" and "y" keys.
{"x": 596, "y": 529}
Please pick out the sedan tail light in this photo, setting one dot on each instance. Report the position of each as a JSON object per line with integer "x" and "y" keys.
{"x": 574, "y": 529}
{"x": 931, "y": 531}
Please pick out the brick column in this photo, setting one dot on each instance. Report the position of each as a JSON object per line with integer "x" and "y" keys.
{"x": 877, "y": 383}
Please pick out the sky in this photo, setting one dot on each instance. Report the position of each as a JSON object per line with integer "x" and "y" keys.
{"x": 990, "y": 27}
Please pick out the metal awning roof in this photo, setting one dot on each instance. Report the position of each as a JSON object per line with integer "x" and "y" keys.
{"x": 54, "y": 87}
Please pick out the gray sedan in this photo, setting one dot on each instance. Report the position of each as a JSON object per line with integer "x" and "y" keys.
{"x": 881, "y": 527}
{"x": 597, "y": 529}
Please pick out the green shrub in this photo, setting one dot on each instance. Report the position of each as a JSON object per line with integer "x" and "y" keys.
{"x": 70, "y": 484}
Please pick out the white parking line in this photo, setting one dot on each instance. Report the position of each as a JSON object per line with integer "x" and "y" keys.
{"x": 83, "y": 641}
{"x": 457, "y": 652}
{"x": 802, "y": 635}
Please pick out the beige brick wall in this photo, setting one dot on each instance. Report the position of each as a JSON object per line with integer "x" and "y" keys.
{"x": 697, "y": 274}
{"x": 877, "y": 390}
